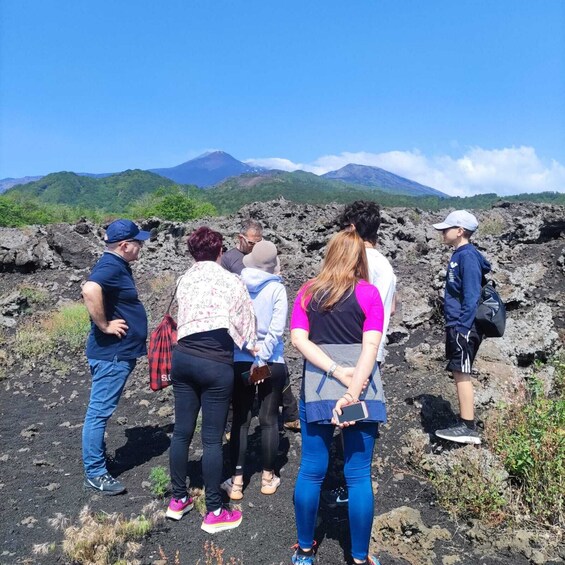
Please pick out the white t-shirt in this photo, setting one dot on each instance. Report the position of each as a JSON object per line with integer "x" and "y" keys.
{"x": 383, "y": 277}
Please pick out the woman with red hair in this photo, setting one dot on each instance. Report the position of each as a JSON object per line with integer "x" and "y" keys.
{"x": 214, "y": 313}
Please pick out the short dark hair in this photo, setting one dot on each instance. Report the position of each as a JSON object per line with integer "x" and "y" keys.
{"x": 365, "y": 216}
{"x": 205, "y": 244}
{"x": 467, "y": 233}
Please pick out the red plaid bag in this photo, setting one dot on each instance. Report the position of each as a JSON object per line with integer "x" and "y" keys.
{"x": 160, "y": 354}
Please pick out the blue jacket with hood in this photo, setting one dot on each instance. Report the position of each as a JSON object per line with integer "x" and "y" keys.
{"x": 271, "y": 310}
{"x": 463, "y": 287}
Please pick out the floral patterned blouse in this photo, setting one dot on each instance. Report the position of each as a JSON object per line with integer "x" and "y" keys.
{"x": 210, "y": 298}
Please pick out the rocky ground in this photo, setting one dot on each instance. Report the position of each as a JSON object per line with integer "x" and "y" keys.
{"x": 43, "y": 398}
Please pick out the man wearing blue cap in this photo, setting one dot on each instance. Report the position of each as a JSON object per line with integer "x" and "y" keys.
{"x": 463, "y": 283}
{"x": 117, "y": 338}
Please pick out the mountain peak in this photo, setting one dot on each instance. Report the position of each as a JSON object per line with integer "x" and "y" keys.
{"x": 207, "y": 169}
{"x": 375, "y": 177}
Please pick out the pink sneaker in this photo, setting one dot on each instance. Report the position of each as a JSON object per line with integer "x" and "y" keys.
{"x": 177, "y": 508}
{"x": 227, "y": 520}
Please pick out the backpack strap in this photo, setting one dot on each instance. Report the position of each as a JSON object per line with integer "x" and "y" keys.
{"x": 174, "y": 295}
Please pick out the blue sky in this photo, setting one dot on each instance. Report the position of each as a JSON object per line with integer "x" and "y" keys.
{"x": 464, "y": 95}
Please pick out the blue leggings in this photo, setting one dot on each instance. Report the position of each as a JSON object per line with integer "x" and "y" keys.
{"x": 359, "y": 441}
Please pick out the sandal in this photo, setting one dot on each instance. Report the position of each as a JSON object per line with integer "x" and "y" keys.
{"x": 270, "y": 486}
{"x": 234, "y": 491}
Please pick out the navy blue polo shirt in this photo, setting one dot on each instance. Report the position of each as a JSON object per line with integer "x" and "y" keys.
{"x": 114, "y": 275}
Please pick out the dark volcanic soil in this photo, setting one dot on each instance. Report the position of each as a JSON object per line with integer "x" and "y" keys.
{"x": 42, "y": 405}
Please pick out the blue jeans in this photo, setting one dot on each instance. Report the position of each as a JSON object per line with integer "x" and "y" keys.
{"x": 207, "y": 384}
{"x": 358, "y": 442}
{"x": 108, "y": 381}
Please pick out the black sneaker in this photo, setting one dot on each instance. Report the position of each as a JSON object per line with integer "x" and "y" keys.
{"x": 336, "y": 497}
{"x": 105, "y": 484}
{"x": 459, "y": 433}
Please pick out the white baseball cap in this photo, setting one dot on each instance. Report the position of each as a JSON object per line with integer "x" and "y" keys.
{"x": 459, "y": 219}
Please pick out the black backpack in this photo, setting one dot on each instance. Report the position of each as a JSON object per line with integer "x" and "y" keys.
{"x": 491, "y": 312}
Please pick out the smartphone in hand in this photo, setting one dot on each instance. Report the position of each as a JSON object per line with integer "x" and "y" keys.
{"x": 260, "y": 374}
{"x": 352, "y": 413}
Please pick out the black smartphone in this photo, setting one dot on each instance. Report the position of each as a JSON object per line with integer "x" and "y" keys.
{"x": 352, "y": 412}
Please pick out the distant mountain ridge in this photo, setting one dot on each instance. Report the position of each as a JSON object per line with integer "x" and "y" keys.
{"x": 112, "y": 193}
{"x": 375, "y": 177}
{"x": 7, "y": 183}
{"x": 213, "y": 169}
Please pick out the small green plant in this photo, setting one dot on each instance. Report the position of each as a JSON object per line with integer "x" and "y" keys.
{"x": 467, "y": 491}
{"x": 530, "y": 440}
{"x": 159, "y": 479}
{"x": 34, "y": 294}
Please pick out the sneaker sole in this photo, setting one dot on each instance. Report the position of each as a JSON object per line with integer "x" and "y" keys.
{"x": 222, "y": 527}
{"x": 172, "y": 515}
{"x": 89, "y": 487}
{"x": 461, "y": 439}
{"x": 270, "y": 490}
{"x": 233, "y": 495}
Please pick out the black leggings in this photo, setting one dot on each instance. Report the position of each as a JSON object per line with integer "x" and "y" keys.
{"x": 207, "y": 384}
{"x": 270, "y": 394}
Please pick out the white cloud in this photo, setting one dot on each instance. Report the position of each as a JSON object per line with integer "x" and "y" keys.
{"x": 275, "y": 163}
{"x": 510, "y": 170}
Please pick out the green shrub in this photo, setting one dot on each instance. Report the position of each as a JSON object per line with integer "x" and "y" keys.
{"x": 530, "y": 439}
{"x": 173, "y": 204}
{"x": 159, "y": 479}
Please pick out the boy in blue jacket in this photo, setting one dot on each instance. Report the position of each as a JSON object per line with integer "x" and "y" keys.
{"x": 464, "y": 278}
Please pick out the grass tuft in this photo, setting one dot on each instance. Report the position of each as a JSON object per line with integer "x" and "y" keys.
{"x": 494, "y": 225}
{"x": 100, "y": 539}
{"x": 199, "y": 500}
{"x": 67, "y": 326}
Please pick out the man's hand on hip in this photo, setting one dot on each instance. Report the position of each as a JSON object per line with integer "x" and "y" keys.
{"x": 118, "y": 328}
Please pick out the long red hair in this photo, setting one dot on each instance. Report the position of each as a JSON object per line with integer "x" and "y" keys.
{"x": 344, "y": 266}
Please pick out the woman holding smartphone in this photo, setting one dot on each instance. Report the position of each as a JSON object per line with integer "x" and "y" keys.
{"x": 214, "y": 312}
{"x": 264, "y": 373}
{"x": 336, "y": 324}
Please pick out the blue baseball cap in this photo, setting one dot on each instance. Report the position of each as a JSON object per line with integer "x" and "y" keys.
{"x": 120, "y": 230}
